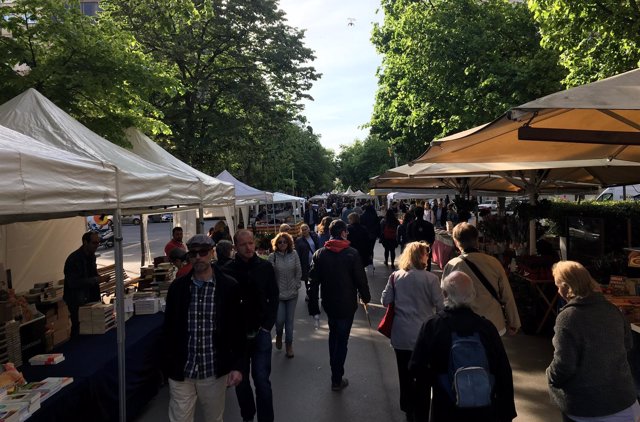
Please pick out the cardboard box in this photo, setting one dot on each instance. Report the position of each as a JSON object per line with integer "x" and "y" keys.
{"x": 60, "y": 336}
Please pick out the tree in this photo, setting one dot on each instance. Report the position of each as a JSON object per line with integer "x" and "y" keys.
{"x": 595, "y": 39}
{"x": 91, "y": 69}
{"x": 449, "y": 65}
{"x": 241, "y": 69}
{"x": 358, "y": 162}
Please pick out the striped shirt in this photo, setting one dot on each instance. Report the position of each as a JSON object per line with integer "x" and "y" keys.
{"x": 201, "y": 320}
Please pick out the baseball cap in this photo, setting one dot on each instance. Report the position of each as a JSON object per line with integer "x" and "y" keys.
{"x": 200, "y": 239}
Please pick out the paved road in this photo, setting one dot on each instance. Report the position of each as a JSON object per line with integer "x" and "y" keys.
{"x": 159, "y": 234}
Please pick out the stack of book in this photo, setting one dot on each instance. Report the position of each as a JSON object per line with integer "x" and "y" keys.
{"x": 47, "y": 387}
{"x": 22, "y": 402}
{"x": 10, "y": 344}
{"x": 46, "y": 359}
{"x": 147, "y": 306}
{"x": 96, "y": 318}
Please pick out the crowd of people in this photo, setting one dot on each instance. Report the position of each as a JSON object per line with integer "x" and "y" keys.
{"x": 226, "y": 300}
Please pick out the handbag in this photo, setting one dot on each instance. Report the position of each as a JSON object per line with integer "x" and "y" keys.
{"x": 384, "y": 327}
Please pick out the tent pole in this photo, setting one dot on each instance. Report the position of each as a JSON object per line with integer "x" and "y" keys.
{"x": 120, "y": 320}
{"x": 200, "y": 220}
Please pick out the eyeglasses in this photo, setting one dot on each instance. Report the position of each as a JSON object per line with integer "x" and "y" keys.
{"x": 201, "y": 252}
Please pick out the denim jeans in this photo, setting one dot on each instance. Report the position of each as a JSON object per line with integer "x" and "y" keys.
{"x": 259, "y": 365}
{"x": 339, "y": 331}
{"x": 286, "y": 313}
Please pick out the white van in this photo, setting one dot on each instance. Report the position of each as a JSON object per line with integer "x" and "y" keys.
{"x": 615, "y": 193}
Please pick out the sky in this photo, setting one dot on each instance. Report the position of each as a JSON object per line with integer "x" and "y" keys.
{"x": 345, "y": 94}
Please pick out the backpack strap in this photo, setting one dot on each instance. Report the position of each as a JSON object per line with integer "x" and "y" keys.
{"x": 482, "y": 279}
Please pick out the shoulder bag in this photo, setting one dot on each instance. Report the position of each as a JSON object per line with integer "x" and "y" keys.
{"x": 386, "y": 323}
{"x": 485, "y": 283}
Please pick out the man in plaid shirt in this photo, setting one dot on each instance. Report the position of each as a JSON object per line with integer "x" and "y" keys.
{"x": 204, "y": 336}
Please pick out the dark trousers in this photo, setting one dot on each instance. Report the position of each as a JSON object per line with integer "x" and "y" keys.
{"x": 415, "y": 399}
{"x": 339, "y": 331}
{"x": 259, "y": 365}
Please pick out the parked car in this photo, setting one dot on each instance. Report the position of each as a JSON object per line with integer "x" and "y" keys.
{"x": 616, "y": 193}
{"x": 488, "y": 205}
{"x": 167, "y": 216}
{"x": 131, "y": 219}
{"x": 154, "y": 218}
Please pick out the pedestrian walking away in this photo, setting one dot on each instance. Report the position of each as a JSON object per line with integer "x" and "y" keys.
{"x": 416, "y": 296}
{"x": 488, "y": 395}
{"x": 337, "y": 271}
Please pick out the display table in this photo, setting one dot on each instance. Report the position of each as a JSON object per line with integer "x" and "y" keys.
{"x": 92, "y": 361}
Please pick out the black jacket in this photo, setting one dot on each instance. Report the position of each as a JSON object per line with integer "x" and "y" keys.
{"x": 303, "y": 249}
{"x": 359, "y": 238}
{"x": 420, "y": 229}
{"x": 259, "y": 291}
{"x": 340, "y": 275}
{"x": 431, "y": 358}
{"x": 81, "y": 283}
{"x": 230, "y": 340}
{"x": 307, "y": 216}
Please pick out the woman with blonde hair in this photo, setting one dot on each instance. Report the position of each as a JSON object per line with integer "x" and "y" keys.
{"x": 288, "y": 275}
{"x": 417, "y": 296}
{"x": 589, "y": 376}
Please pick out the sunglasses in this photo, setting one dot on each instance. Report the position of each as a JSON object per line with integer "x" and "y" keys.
{"x": 280, "y": 242}
{"x": 201, "y": 252}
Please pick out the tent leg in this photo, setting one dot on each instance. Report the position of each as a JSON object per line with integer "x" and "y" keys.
{"x": 118, "y": 255}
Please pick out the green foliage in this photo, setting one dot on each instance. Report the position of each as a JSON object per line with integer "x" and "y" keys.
{"x": 241, "y": 72}
{"x": 91, "y": 69}
{"x": 595, "y": 39}
{"x": 449, "y": 65}
{"x": 360, "y": 161}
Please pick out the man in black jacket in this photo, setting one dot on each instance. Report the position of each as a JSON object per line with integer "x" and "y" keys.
{"x": 337, "y": 270}
{"x": 421, "y": 229}
{"x": 259, "y": 291}
{"x": 204, "y": 336}
{"x": 81, "y": 279}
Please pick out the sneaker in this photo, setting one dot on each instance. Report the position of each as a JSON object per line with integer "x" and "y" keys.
{"x": 340, "y": 386}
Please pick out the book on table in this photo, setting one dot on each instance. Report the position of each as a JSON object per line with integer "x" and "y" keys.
{"x": 46, "y": 359}
{"x": 47, "y": 387}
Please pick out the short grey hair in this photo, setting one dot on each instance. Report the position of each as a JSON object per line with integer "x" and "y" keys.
{"x": 224, "y": 248}
{"x": 458, "y": 289}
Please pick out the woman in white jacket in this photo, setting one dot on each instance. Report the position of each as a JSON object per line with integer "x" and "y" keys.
{"x": 288, "y": 274}
{"x": 417, "y": 296}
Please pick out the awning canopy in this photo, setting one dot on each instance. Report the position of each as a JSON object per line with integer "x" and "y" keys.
{"x": 243, "y": 191}
{"x": 214, "y": 191}
{"x": 38, "y": 181}
{"x": 141, "y": 184}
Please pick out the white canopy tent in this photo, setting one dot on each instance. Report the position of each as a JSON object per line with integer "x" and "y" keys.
{"x": 141, "y": 184}
{"x": 39, "y": 182}
{"x": 245, "y": 195}
{"x": 214, "y": 192}
{"x": 395, "y": 196}
{"x": 320, "y": 197}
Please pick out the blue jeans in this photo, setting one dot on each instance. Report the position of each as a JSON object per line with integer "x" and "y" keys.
{"x": 286, "y": 312}
{"x": 339, "y": 331}
{"x": 259, "y": 362}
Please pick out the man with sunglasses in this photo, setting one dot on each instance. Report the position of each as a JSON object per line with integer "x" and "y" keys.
{"x": 260, "y": 299}
{"x": 204, "y": 336}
